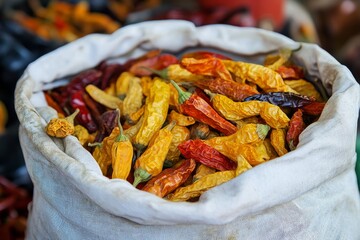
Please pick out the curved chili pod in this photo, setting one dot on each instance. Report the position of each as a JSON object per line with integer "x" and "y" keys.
{"x": 282, "y": 99}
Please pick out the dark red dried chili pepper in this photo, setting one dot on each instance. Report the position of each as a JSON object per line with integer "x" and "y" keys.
{"x": 314, "y": 108}
{"x": 108, "y": 121}
{"x": 81, "y": 80}
{"x": 83, "y": 117}
{"x": 169, "y": 179}
{"x": 196, "y": 107}
{"x": 52, "y": 103}
{"x": 282, "y": 99}
{"x": 296, "y": 126}
{"x": 158, "y": 62}
{"x": 205, "y": 154}
{"x": 110, "y": 74}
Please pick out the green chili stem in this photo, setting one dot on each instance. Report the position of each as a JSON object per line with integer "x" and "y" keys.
{"x": 140, "y": 175}
{"x": 95, "y": 144}
{"x": 262, "y": 130}
{"x": 183, "y": 95}
{"x": 121, "y": 137}
{"x": 71, "y": 117}
{"x": 161, "y": 73}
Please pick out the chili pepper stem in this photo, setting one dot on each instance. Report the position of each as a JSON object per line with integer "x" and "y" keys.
{"x": 210, "y": 94}
{"x": 121, "y": 137}
{"x": 95, "y": 144}
{"x": 183, "y": 95}
{"x": 71, "y": 117}
{"x": 140, "y": 175}
{"x": 161, "y": 73}
{"x": 262, "y": 130}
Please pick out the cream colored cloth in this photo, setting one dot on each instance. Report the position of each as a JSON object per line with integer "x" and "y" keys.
{"x": 309, "y": 193}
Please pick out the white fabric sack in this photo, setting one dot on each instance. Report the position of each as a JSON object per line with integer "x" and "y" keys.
{"x": 309, "y": 193}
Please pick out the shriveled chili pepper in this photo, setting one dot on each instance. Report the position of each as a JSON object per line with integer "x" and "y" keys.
{"x": 212, "y": 67}
{"x": 151, "y": 162}
{"x": 52, "y": 103}
{"x": 282, "y": 99}
{"x": 146, "y": 83}
{"x": 242, "y": 165}
{"x": 134, "y": 129}
{"x": 82, "y": 135}
{"x": 81, "y": 80}
{"x": 273, "y": 61}
{"x": 180, "y": 134}
{"x": 200, "y": 131}
{"x": 135, "y": 116}
{"x": 95, "y": 108}
{"x": 107, "y": 122}
{"x": 103, "y": 98}
{"x": 198, "y": 108}
{"x": 170, "y": 179}
{"x": 110, "y": 72}
{"x": 121, "y": 154}
{"x": 234, "y": 111}
{"x": 277, "y": 137}
{"x": 305, "y": 88}
{"x": 290, "y": 72}
{"x": 180, "y": 119}
{"x": 205, "y": 154}
{"x": 149, "y": 54}
{"x": 201, "y": 171}
{"x": 61, "y": 127}
{"x": 203, "y": 184}
{"x": 204, "y": 54}
{"x": 101, "y": 157}
{"x": 156, "y": 108}
{"x": 266, "y": 78}
{"x": 133, "y": 100}
{"x": 314, "y": 108}
{"x": 84, "y": 117}
{"x": 270, "y": 149}
{"x": 296, "y": 127}
{"x": 158, "y": 62}
{"x": 254, "y": 153}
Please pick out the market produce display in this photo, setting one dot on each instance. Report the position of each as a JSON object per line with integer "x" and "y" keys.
{"x": 178, "y": 126}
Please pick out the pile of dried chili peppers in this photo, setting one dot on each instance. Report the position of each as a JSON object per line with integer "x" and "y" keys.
{"x": 178, "y": 126}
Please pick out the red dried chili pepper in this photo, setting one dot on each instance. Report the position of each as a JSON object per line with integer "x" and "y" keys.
{"x": 83, "y": 117}
{"x": 205, "y": 54}
{"x": 81, "y": 80}
{"x": 290, "y": 72}
{"x": 169, "y": 179}
{"x": 52, "y": 103}
{"x": 157, "y": 63}
{"x": 314, "y": 108}
{"x": 110, "y": 74}
{"x": 198, "y": 108}
{"x": 296, "y": 126}
{"x": 205, "y": 154}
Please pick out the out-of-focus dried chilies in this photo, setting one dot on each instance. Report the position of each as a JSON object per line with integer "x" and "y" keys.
{"x": 81, "y": 80}
{"x": 151, "y": 161}
{"x": 3, "y": 117}
{"x": 204, "y": 54}
{"x": 198, "y": 108}
{"x": 296, "y": 127}
{"x": 101, "y": 157}
{"x": 156, "y": 108}
{"x": 52, "y": 103}
{"x": 61, "y": 127}
{"x": 205, "y": 154}
{"x": 122, "y": 84}
{"x": 170, "y": 179}
{"x": 82, "y": 135}
{"x": 200, "y": 186}
{"x": 121, "y": 154}
{"x": 272, "y": 114}
{"x": 158, "y": 62}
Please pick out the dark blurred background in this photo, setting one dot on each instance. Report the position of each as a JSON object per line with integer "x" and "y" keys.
{"x": 31, "y": 28}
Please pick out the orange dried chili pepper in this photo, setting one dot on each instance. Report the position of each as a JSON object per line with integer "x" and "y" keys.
{"x": 61, "y": 127}
{"x": 278, "y": 141}
{"x": 296, "y": 127}
{"x": 52, "y": 103}
{"x": 180, "y": 134}
{"x": 180, "y": 119}
{"x": 170, "y": 179}
{"x": 201, "y": 171}
{"x": 198, "y": 108}
{"x": 205, "y": 154}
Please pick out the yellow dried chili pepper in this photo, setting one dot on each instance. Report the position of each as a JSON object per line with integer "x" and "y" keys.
{"x": 266, "y": 78}
{"x": 200, "y": 186}
{"x": 135, "y": 116}
{"x": 103, "y": 98}
{"x": 277, "y": 137}
{"x": 275, "y": 61}
{"x": 122, "y": 84}
{"x": 82, "y": 134}
{"x": 174, "y": 98}
{"x": 146, "y": 83}
{"x": 111, "y": 89}
{"x": 133, "y": 99}
{"x": 242, "y": 165}
{"x": 121, "y": 154}
{"x": 3, "y": 117}
{"x": 156, "y": 108}
{"x": 151, "y": 162}
{"x": 101, "y": 157}
{"x": 133, "y": 130}
{"x": 180, "y": 134}
{"x": 304, "y": 87}
{"x": 270, "y": 149}
{"x": 201, "y": 171}
{"x": 180, "y": 119}
{"x": 255, "y": 153}
{"x": 234, "y": 111}
{"x": 61, "y": 127}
